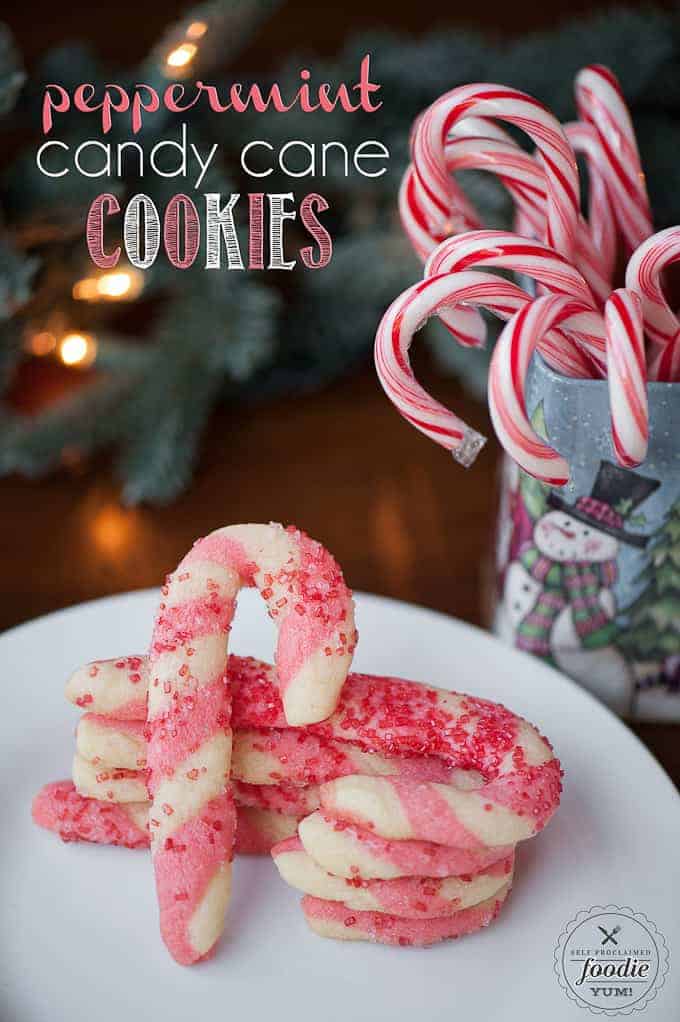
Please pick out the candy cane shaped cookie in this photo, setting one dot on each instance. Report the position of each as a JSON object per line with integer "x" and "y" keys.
{"x": 348, "y": 851}
{"x": 431, "y": 199}
{"x": 627, "y": 377}
{"x": 58, "y": 807}
{"x": 74, "y": 817}
{"x": 110, "y": 784}
{"x": 600, "y": 102}
{"x": 407, "y": 897}
{"x": 259, "y": 757}
{"x": 113, "y": 688}
{"x": 404, "y": 721}
{"x": 106, "y": 741}
{"x": 332, "y": 919}
{"x": 282, "y": 798}
{"x": 189, "y": 753}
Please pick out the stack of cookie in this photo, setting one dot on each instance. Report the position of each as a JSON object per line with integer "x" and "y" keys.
{"x": 397, "y": 817}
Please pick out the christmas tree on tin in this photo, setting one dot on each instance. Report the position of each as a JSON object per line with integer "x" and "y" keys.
{"x": 652, "y": 639}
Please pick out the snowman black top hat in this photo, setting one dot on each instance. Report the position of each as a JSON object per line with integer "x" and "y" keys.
{"x": 615, "y": 495}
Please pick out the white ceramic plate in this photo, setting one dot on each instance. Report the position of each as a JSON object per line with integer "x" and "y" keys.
{"x": 78, "y": 928}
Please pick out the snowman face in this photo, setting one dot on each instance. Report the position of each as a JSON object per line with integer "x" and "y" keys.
{"x": 562, "y": 537}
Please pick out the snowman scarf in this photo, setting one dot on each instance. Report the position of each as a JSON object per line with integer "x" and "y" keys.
{"x": 576, "y": 584}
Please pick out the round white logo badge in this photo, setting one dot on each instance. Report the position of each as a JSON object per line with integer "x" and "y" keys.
{"x": 611, "y": 960}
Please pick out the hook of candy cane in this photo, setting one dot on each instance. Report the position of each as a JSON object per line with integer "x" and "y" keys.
{"x": 409, "y": 312}
{"x": 600, "y": 102}
{"x": 510, "y": 363}
{"x": 507, "y": 375}
{"x": 627, "y": 377}
{"x": 643, "y": 275}
{"x": 524, "y": 179}
{"x": 582, "y": 356}
{"x": 479, "y": 144}
{"x": 429, "y": 195}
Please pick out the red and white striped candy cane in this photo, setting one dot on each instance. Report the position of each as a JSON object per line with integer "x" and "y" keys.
{"x": 192, "y": 818}
{"x": 601, "y": 220}
{"x": 600, "y": 102}
{"x": 581, "y": 357}
{"x": 507, "y": 375}
{"x": 409, "y": 312}
{"x": 643, "y": 275}
{"x": 430, "y": 197}
{"x": 665, "y": 365}
{"x": 524, "y": 178}
{"x": 627, "y": 377}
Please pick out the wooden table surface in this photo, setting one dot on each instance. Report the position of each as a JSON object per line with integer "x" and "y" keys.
{"x": 401, "y": 517}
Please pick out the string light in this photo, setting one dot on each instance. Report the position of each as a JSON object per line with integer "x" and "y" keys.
{"x": 77, "y": 350}
{"x": 196, "y": 30}
{"x": 181, "y": 56}
{"x": 42, "y": 343}
{"x": 112, "y": 286}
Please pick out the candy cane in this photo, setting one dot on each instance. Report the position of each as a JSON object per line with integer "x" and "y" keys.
{"x": 507, "y": 374}
{"x": 665, "y": 366}
{"x": 627, "y": 377}
{"x": 643, "y": 275}
{"x": 524, "y": 178}
{"x": 510, "y": 363}
{"x": 600, "y": 102}
{"x": 192, "y": 818}
{"x": 408, "y": 313}
{"x": 601, "y": 219}
{"x": 584, "y": 357}
{"x": 429, "y": 197}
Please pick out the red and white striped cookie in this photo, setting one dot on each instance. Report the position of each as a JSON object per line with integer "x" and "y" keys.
{"x": 106, "y": 741}
{"x": 355, "y": 853}
{"x": 406, "y": 897}
{"x": 282, "y": 798}
{"x": 332, "y": 919}
{"x": 188, "y": 712}
{"x": 59, "y": 807}
{"x": 265, "y": 757}
{"x": 108, "y": 784}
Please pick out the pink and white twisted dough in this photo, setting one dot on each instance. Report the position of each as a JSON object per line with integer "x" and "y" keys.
{"x": 644, "y": 276}
{"x": 430, "y": 198}
{"x": 509, "y": 366}
{"x": 192, "y": 817}
{"x": 600, "y": 102}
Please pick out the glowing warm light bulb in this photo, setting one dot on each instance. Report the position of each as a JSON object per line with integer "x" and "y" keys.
{"x": 181, "y": 55}
{"x": 114, "y": 285}
{"x": 196, "y": 30}
{"x": 85, "y": 290}
{"x": 77, "y": 350}
{"x": 41, "y": 343}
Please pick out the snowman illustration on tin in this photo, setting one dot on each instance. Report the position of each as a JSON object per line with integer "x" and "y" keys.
{"x": 558, "y": 598}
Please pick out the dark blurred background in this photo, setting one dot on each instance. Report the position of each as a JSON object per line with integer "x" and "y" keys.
{"x": 312, "y": 443}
